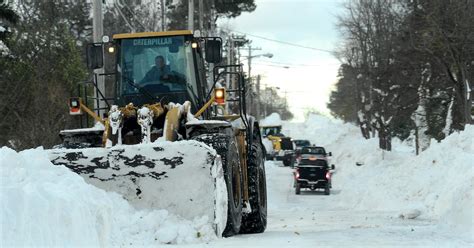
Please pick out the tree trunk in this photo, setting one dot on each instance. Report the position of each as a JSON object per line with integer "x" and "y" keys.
{"x": 449, "y": 118}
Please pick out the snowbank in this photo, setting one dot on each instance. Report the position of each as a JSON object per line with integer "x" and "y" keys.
{"x": 47, "y": 205}
{"x": 272, "y": 120}
{"x": 437, "y": 184}
{"x": 320, "y": 130}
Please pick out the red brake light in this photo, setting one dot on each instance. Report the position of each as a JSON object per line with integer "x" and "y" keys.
{"x": 297, "y": 174}
{"x": 328, "y": 175}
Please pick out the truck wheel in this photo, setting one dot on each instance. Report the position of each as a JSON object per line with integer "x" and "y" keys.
{"x": 292, "y": 162}
{"x": 226, "y": 146}
{"x": 298, "y": 189}
{"x": 256, "y": 220}
{"x": 327, "y": 191}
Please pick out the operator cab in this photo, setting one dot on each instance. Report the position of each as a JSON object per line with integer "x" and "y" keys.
{"x": 158, "y": 66}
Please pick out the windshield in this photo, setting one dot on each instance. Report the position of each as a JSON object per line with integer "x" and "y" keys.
{"x": 313, "y": 150}
{"x": 271, "y": 130}
{"x": 157, "y": 66}
{"x": 302, "y": 143}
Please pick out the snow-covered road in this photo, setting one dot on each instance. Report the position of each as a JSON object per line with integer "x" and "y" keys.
{"x": 314, "y": 219}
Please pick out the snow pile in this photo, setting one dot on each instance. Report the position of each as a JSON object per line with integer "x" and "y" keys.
{"x": 435, "y": 185}
{"x": 272, "y": 120}
{"x": 320, "y": 130}
{"x": 47, "y": 205}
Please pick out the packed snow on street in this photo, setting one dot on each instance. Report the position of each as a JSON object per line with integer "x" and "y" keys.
{"x": 391, "y": 199}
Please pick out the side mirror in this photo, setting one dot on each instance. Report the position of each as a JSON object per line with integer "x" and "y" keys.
{"x": 333, "y": 167}
{"x": 95, "y": 56}
{"x": 213, "y": 51}
{"x": 329, "y": 153}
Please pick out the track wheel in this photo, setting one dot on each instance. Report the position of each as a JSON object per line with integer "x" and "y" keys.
{"x": 298, "y": 189}
{"x": 327, "y": 190}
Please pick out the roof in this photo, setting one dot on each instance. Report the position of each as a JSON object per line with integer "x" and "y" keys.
{"x": 151, "y": 34}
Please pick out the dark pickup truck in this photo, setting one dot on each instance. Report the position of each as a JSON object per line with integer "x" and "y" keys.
{"x": 313, "y": 174}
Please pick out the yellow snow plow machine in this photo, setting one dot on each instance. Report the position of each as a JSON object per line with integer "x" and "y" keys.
{"x": 170, "y": 137}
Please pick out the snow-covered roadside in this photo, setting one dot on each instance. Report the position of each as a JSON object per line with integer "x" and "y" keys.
{"x": 47, "y": 205}
{"x": 436, "y": 185}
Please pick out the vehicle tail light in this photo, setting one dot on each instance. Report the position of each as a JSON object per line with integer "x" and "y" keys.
{"x": 328, "y": 175}
{"x": 297, "y": 174}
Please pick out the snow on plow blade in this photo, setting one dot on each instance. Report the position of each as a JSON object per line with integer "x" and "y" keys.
{"x": 186, "y": 177}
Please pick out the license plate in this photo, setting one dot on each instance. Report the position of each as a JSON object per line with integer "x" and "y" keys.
{"x": 312, "y": 175}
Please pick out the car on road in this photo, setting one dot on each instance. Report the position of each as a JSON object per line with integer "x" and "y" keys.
{"x": 313, "y": 174}
{"x": 300, "y": 143}
{"x": 287, "y": 152}
{"x": 312, "y": 153}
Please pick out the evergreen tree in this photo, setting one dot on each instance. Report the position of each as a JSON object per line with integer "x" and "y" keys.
{"x": 40, "y": 74}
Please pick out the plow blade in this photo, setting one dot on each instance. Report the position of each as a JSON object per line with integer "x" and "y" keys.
{"x": 185, "y": 178}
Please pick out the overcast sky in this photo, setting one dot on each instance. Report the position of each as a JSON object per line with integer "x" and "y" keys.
{"x": 312, "y": 23}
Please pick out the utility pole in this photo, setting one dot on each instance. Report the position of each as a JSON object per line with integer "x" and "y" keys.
{"x": 191, "y": 15}
{"x": 230, "y": 56}
{"x": 266, "y": 103}
{"x": 201, "y": 15}
{"x": 210, "y": 78}
{"x": 97, "y": 33}
{"x": 250, "y": 62}
{"x": 163, "y": 16}
{"x": 249, "y": 73}
{"x": 249, "y": 58}
{"x": 212, "y": 18}
{"x": 259, "y": 102}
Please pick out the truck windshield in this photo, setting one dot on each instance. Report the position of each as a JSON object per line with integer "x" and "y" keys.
{"x": 313, "y": 150}
{"x": 157, "y": 65}
{"x": 271, "y": 130}
{"x": 302, "y": 143}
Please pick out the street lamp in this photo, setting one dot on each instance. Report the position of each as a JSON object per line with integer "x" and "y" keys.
{"x": 249, "y": 83}
{"x": 268, "y": 55}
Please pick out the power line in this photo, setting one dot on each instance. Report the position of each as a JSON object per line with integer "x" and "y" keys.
{"x": 280, "y": 66}
{"x": 275, "y": 63}
{"x": 281, "y": 42}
